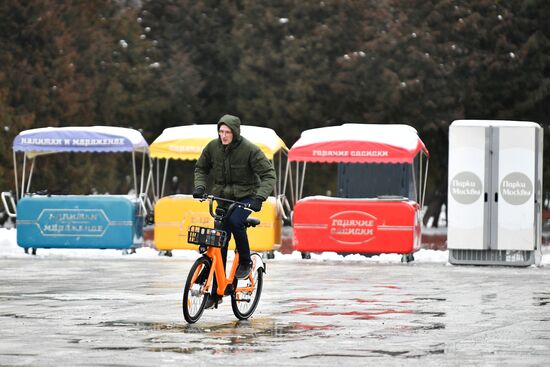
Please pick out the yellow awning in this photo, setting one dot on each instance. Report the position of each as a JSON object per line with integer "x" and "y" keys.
{"x": 187, "y": 142}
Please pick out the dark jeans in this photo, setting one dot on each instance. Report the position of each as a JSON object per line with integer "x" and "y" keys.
{"x": 235, "y": 225}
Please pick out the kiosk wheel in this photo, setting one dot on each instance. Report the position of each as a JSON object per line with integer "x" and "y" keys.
{"x": 194, "y": 296}
{"x": 407, "y": 258}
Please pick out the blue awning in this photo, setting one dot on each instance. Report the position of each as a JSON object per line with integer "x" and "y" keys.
{"x": 90, "y": 139}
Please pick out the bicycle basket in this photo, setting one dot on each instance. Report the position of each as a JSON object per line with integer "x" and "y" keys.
{"x": 206, "y": 236}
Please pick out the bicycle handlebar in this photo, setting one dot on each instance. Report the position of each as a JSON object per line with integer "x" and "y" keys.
{"x": 213, "y": 197}
{"x": 233, "y": 204}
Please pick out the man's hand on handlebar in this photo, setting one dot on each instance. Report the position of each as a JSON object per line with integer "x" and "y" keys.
{"x": 199, "y": 192}
{"x": 256, "y": 204}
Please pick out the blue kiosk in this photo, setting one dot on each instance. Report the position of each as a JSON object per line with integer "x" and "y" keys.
{"x": 79, "y": 221}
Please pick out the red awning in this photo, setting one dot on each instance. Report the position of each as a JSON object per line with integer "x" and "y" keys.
{"x": 358, "y": 143}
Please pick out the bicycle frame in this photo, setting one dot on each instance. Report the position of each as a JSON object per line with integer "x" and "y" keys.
{"x": 224, "y": 282}
{"x": 225, "y": 285}
{"x": 219, "y": 270}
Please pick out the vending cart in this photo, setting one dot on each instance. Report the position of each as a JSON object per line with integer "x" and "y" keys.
{"x": 495, "y": 192}
{"x": 361, "y": 219}
{"x": 49, "y": 220}
{"x": 175, "y": 213}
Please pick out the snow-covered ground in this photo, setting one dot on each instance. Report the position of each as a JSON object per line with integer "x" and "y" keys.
{"x": 9, "y": 248}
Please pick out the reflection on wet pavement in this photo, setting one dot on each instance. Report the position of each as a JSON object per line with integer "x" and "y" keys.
{"x": 236, "y": 335}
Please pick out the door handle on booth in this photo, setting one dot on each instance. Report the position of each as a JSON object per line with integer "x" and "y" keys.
{"x": 486, "y": 196}
{"x": 496, "y": 197}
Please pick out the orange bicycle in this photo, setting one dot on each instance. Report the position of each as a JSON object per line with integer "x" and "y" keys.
{"x": 245, "y": 293}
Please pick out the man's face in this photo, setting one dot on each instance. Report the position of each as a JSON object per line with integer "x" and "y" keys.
{"x": 226, "y": 135}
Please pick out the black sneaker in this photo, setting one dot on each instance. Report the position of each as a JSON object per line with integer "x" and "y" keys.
{"x": 213, "y": 301}
{"x": 243, "y": 270}
{"x": 203, "y": 276}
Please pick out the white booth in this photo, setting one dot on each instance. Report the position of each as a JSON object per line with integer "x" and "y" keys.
{"x": 495, "y": 192}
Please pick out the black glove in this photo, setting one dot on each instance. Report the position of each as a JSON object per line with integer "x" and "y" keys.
{"x": 198, "y": 192}
{"x": 256, "y": 204}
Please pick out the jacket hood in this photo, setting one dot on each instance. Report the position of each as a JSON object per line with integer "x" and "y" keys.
{"x": 234, "y": 124}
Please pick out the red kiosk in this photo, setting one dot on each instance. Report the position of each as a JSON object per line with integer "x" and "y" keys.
{"x": 387, "y": 222}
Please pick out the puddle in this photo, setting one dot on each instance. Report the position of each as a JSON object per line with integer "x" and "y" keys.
{"x": 155, "y": 326}
{"x": 421, "y": 354}
{"x": 339, "y": 355}
{"x": 115, "y": 348}
{"x": 313, "y": 305}
{"x": 253, "y": 333}
{"x": 389, "y": 353}
{"x": 430, "y": 299}
{"x": 428, "y": 327}
{"x": 541, "y": 299}
{"x": 488, "y": 298}
{"x": 375, "y": 352}
{"x": 362, "y": 315}
{"x": 431, "y": 313}
{"x": 434, "y": 326}
{"x": 17, "y": 316}
{"x": 210, "y": 350}
{"x": 387, "y": 286}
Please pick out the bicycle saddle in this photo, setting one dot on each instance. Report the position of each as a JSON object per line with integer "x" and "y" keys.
{"x": 252, "y": 222}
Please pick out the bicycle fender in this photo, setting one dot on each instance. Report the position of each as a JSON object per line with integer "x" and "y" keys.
{"x": 257, "y": 262}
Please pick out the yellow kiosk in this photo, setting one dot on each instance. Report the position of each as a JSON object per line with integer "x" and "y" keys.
{"x": 175, "y": 213}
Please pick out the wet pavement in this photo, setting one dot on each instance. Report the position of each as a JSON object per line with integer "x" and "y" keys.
{"x": 127, "y": 312}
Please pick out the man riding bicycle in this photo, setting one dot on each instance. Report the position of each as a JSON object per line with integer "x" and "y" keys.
{"x": 240, "y": 171}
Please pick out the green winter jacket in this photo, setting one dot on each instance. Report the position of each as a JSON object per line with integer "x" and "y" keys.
{"x": 239, "y": 169}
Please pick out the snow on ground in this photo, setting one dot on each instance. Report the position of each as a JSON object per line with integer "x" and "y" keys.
{"x": 9, "y": 248}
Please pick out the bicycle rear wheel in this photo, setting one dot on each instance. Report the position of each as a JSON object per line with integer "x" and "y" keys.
{"x": 247, "y": 294}
{"x": 194, "y": 297}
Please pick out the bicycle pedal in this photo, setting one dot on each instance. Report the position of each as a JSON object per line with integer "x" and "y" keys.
{"x": 213, "y": 303}
{"x": 228, "y": 290}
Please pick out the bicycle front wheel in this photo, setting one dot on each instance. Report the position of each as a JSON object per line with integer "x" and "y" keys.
{"x": 194, "y": 296}
{"x": 247, "y": 294}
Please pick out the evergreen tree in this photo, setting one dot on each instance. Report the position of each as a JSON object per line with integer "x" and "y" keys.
{"x": 195, "y": 43}
{"x": 63, "y": 66}
{"x": 290, "y": 61}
